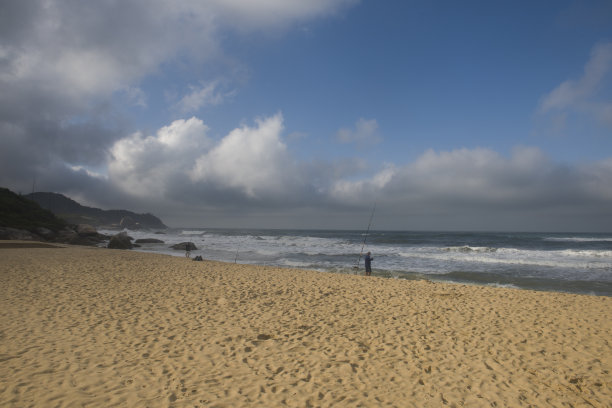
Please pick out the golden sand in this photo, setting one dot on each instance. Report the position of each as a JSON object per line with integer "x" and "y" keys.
{"x": 101, "y": 328}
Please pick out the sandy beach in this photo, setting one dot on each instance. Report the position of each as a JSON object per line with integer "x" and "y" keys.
{"x": 103, "y": 328}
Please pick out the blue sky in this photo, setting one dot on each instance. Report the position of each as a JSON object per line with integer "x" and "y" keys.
{"x": 449, "y": 115}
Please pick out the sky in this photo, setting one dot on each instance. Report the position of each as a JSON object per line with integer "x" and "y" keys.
{"x": 442, "y": 115}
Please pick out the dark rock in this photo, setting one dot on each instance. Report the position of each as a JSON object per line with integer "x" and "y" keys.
{"x": 87, "y": 235}
{"x": 86, "y": 229}
{"x": 18, "y": 234}
{"x": 81, "y": 240}
{"x": 120, "y": 241}
{"x": 80, "y": 235}
{"x": 67, "y": 236}
{"x": 185, "y": 246}
{"x": 23, "y": 219}
{"x": 149, "y": 241}
{"x": 46, "y": 233}
{"x": 89, "y": 240}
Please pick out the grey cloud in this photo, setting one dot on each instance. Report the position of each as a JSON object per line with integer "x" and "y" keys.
{"x": 463, "y": 188}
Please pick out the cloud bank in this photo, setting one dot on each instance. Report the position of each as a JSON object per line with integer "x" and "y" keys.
{"x": 252, "y": 165}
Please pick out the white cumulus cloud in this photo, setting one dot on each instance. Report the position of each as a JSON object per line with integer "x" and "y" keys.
{"x": 254, "y": 160}
{"x": 249, "y": 162}
{"x": 146, "y": 166}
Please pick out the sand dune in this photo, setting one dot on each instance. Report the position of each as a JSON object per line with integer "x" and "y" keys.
{"x": 96, "y": 327}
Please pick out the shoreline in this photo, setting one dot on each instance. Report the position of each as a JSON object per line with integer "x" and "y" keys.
{"x": 540, "y": 261}
{"x": 83, "y": 325}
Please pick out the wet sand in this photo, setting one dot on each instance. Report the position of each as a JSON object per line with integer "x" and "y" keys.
{"x": 101, "y": 328}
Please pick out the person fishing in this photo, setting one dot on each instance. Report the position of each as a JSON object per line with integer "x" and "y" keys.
{"x": 368, "y": 264}
{"x": 368, "y": 258}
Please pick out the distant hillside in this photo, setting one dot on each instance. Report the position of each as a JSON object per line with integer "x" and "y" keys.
{"x": 76, "y": 213}
{"x": 21, "y": 213}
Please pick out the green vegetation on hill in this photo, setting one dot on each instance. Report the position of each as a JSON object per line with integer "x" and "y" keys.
{"x": 76, "y": 213}
{"x": 21, "y": 213}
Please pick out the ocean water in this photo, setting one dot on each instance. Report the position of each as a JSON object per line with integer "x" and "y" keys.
{"x": 571, "y": 262}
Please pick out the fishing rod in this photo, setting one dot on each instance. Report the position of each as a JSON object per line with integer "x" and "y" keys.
{"x": 236, "y": 257}
{"x": 365, "y": 237}
{"x": 238, "y": 248}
